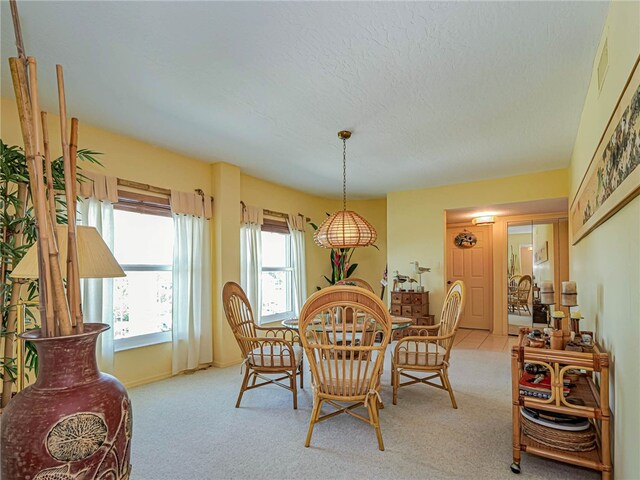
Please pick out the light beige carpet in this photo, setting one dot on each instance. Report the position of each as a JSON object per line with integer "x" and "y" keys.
{"x": 187, "y": 428}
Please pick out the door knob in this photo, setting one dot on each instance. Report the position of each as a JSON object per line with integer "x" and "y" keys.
{"x": 448, "y": 282}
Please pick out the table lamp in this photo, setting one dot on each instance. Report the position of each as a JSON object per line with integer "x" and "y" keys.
{"x": 95, "y": 260}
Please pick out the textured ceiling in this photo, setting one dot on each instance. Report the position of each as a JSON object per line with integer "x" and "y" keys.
{"x": 435, "y": 93}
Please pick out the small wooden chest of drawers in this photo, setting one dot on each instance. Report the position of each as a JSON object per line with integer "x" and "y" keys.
{"x": 414, "y": 305}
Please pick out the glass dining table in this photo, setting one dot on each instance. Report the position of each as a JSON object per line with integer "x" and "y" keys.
{"x": 397, "y": 323}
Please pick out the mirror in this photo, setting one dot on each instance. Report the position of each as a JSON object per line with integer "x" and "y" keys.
{"x": 519, "y": 274}
{"x": 537, "y": 251}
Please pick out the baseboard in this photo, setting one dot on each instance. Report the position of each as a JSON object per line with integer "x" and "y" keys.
{"x": 144, "y": 381}
{"x": 227, "y": 364}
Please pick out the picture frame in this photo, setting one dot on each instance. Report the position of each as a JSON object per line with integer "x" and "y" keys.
{"x": 541, "y": 254}
{"x": 613, "y": 177}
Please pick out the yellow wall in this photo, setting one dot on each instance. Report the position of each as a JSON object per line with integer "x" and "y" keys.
{"x": 416, "y": 222}
{"x": 131, "y": 159}
{"x": 606, "y": 263}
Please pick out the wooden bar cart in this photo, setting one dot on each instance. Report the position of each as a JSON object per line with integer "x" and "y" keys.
{"x": 586, "y": 399}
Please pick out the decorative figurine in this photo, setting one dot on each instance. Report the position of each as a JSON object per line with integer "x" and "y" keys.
{"x": 418, "y": 270}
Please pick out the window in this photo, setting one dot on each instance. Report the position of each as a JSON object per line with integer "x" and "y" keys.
{"x": 142, "y": 300}
{"x": 277, "y": 277}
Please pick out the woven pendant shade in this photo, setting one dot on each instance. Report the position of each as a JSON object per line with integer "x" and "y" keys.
{"x": 345, "y": 229}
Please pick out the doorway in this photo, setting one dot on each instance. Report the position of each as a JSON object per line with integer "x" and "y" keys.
{"x": 474, "y": 266}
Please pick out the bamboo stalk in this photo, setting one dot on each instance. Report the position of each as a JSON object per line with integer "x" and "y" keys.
{"x": 45, "y": 305}
{"x": 51, "y": 196}
{"x": 71, "y": 218}
{"x": 18, "y": 31}
{"x": 72, "y": 185}
{"x": 61, "y": 309}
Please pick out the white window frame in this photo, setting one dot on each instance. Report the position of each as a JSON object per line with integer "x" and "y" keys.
{"x": 289, "y": 268}
{"x": 145, "y": 340}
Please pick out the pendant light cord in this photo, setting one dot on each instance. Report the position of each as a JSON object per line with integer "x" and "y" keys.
{"x": 344, "y": 174}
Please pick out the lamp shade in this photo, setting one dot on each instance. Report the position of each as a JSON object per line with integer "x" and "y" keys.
{"x": 95, "y": 260}
{"x": 345, "y": 229}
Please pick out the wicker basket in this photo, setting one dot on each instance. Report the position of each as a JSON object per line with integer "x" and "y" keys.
{"x": 563, "y": 440}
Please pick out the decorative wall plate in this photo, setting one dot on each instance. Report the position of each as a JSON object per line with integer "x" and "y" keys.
{"x": 465, "y": 239}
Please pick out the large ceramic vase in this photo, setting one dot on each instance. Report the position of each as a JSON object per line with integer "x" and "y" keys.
{"x": 74, "y": 422}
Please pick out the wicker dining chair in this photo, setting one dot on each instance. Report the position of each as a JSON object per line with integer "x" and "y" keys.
{"x": 519, "y": 297}
{"x": 356, "y": 282}
{"x": 427, "y": 349}
{"x": 345, "y": 360}
{"x": 266, "y": 351}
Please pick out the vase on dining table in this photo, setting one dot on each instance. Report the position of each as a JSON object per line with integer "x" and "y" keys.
{"x": 74, "y": 422}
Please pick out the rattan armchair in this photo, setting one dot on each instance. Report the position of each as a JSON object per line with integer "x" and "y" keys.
{"x": 345, "y": 360}
{"x": 266, "y": 351}
{"x": 427, "y": 349}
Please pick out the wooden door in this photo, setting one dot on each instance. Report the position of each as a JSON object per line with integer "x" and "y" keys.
{"x": 475, "y": 268}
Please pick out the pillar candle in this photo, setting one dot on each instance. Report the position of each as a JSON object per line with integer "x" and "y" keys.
{"x": 546, "y": 298}
{"x": 569, "y": 287}
{"x": 569, "y": 299}
{"x": 546, "y": 293}
{"x": 546, "y": 287}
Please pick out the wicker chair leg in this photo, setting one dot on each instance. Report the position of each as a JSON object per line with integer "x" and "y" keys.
{"x": 294, "y": 382}
{"x": 317, "y": 403}
{"x": 395, "y": 379}
{"x": 375, "y": 420}
{"x": 445, "y": 380}
{"x": 245, "y": 380}
{"x": 302, "y": 373}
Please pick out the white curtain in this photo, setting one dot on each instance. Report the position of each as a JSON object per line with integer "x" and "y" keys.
{"x": 192, "y": 336}
{"x": 251, "y": 258}
{"x": 97, "y": 293}
{"x": 298, "y": 262}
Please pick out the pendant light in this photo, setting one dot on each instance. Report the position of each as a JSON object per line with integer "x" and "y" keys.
{"x": 345, "y": 228}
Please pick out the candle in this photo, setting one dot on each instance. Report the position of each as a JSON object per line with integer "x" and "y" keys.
{"x": 546, "y": 293}
{"x": 569, "y": 294}
{"x": 546, "y": 298}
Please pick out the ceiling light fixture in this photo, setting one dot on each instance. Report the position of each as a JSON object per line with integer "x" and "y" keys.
{"x": 345, "y": 228}
{"x": 484, "y": 220}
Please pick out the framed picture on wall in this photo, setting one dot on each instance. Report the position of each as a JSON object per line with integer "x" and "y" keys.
{"x": 541, "y": 254}
{"x": 613, "y": 177}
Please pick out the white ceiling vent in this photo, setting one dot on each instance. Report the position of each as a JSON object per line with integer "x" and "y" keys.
{"x": 603, "y": 63}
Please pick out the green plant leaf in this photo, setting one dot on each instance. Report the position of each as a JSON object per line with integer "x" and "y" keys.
{"x": 351, "y": 269}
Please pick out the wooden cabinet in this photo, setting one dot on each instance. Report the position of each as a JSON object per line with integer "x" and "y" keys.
{"x": 413, "y": 305}
{"x": 585, "y": 398}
